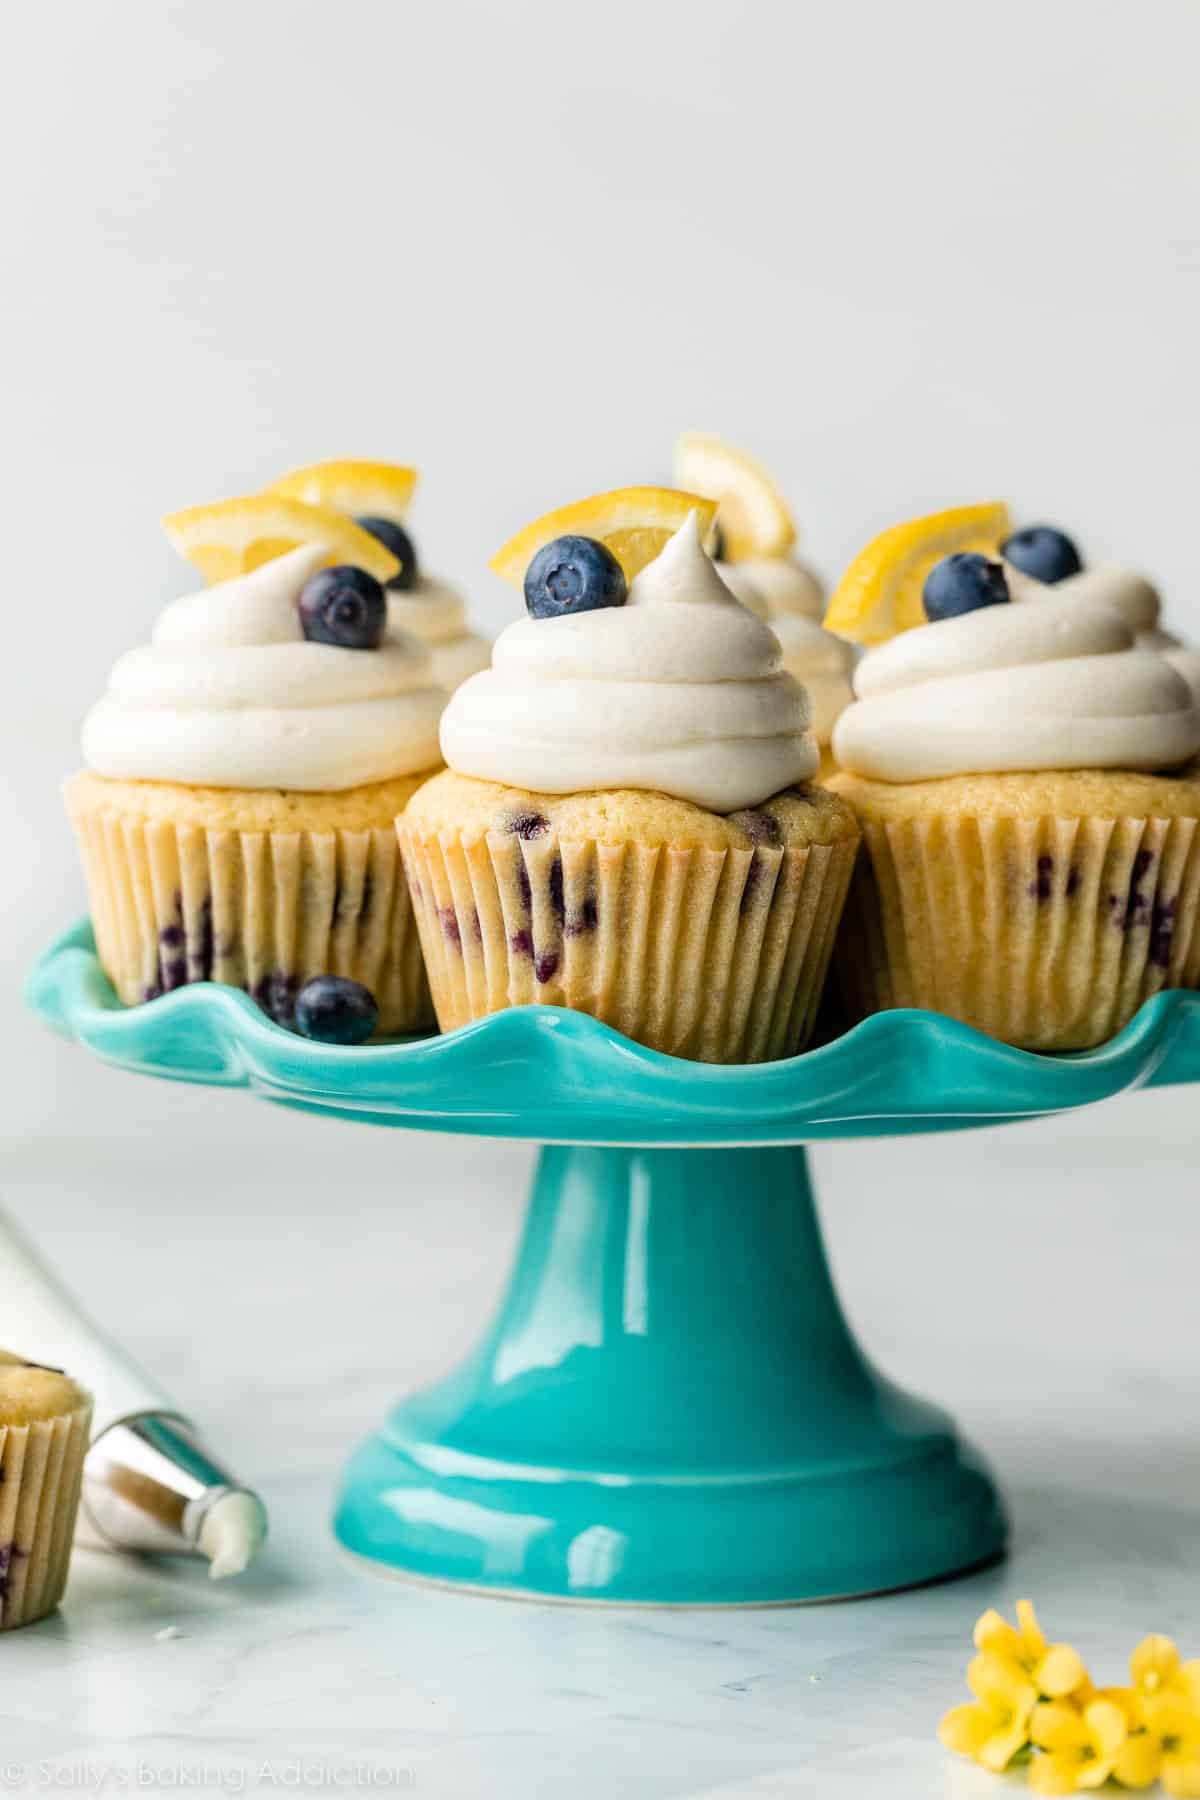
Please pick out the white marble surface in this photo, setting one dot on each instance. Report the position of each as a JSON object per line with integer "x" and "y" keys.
{"x": 295, "y": 1274}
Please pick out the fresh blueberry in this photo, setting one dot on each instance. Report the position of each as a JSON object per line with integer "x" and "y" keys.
{"x": 961, "y": 584}
{"x": 343, "y": 606}
{"x": 393, "y": 537}
{"x": 572, "y": 575}
{"x": 336, "y": 1011}
{"x": 1043, "y": 552}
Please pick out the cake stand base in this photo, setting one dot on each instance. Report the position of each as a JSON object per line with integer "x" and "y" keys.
{"x": 669, "y": 1408}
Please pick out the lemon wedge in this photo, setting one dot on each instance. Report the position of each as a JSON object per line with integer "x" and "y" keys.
{"x": 635, "y": 523}
{"x": 362, "y": 489}
{"x": 752, "y": 513}
{"x": 881, "y": 592}
{"x": 231, "y": 537}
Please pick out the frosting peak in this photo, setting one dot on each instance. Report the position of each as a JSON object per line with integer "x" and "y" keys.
{"x": 230, "y": 693}
{"x": 679, "y": 691}
{"x": 1054, "y": 685}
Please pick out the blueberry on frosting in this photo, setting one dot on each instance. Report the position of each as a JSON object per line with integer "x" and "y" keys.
{"x": 1043, "y": 552}
{"x": 343, "y": 606}
{"x": 335, "y": 1010}
{"x": 962, "y": 584}
{"x": 573, "y": 575}
{"x": 393, "y": 537}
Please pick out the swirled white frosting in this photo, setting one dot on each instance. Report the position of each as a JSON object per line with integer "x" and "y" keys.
{"x": 230, "y": 693}
{"x": 790, "y": 599}
{"x": 680, "y": 691}
{"x": 437, "y": 614}
{"x": 1123, "y": 591}
{"x": 1056, "y": 685}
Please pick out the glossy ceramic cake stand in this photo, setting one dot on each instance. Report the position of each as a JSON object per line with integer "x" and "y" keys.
{"x": 669, "y": 1406}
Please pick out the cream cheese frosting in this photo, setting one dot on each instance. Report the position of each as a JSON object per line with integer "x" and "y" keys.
{"x": 680, "y": 691}
{"x": 437, "y": 614}
{"x": 784, "y": 594}
{"x": 1056, "y": 685}
{"x": 230, "y": 693}
{"x": 1123, "y": 591}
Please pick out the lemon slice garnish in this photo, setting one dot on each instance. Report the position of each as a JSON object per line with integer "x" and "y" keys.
{"x": 881, "y": 592}
{"x": 635, "y": 523}
{"x": 363, "y": 489}
{"x": 231, "y": 537}
{"x": 752, "y": 513}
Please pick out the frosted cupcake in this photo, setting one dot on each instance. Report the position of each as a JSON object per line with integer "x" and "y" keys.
{"x": 627, "y": 825}
{"x": 755, "y": 552}
{"x": 44, "y": 1424}
{"x": 1042, "y": 558}
{"x": 377, "y": 496}
{"x": 244, "y": 771}
{"x": 1021, "y": 774}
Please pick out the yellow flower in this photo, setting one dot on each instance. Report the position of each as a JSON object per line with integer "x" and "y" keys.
{"x": 995, "y": 1725}
{"x": 1081, "y": 1748}
{"x": 1055, "y": 1670}
{"x": 1155, "y": 1668}
{"x": 1167, "y": 1748}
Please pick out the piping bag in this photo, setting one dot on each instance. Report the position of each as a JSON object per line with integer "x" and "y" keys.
{"x": 149, "y": 1482}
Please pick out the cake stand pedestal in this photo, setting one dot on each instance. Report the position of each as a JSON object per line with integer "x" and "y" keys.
{"x": 669, "y": 1406}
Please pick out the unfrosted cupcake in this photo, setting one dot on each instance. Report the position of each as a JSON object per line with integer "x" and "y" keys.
{"x": 1031, "y": 816}
{"x": 627, "y": 825}
{"x": 244, "y": 771}
{"x": 44, "y": 1423}
{"x": 377, "y": 496}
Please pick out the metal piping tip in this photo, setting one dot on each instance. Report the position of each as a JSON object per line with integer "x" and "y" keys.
{"x": 150, "y": 1484}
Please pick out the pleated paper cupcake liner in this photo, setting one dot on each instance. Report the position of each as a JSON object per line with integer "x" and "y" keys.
{"x": 261, "y": 910}
{"x": 1048, "y": 933}
{"x": 716, "y": 955}
{"x": 41, "y": 1474}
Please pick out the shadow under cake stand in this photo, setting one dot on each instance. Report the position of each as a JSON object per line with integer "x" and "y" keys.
{"x": 668, "y": 1406}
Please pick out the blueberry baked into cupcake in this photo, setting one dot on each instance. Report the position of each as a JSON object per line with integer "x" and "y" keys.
{"x": 627, "y": 824}
{"x": 377, "y": 496}
{"x": 755, "y": 550}
{"x": 45, "y": 1419}
{"x": 1024, "y": 776}
{"x": 245, "y": 769}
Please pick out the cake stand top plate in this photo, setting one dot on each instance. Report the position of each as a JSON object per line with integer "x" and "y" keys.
{"x": 554, "y": 1076}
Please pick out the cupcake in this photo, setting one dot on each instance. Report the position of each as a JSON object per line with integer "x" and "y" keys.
{"x": 1024, "y": 779}
{"x": 245, "y": 769}
{"x": 755, "y": 535}
{"x": 44, "y": 1424}
{"x": 627, "y": 824}
{"x": 1042, "y": 558}
{"x": 377, "y": 495}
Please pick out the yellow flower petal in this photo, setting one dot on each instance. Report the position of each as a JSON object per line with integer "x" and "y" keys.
{"x": 1001, "y": 1747}
{"x": 1060, "y": 1671}
{"x": 966, "y": 1728}
{"x": 1106, "y": 1726}
{"x": 1154, "y": 1664}
{"x": 1029, "y": 1628}
{"x": 993, "y": 1632}
{"x": 998, "y": 1682}
{"x": 1129, "y": 1702}
{"x": 1054, "y": 1774}
{"x": 1188, "y": 1680}
{"x": 1181, "y": 1776}
{"x": 1139, "y": 1761}
{"x": 1094, "y": 1774}
{"x": 1058, "y": 1727}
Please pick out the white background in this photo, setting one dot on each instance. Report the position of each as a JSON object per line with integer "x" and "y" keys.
{"x": 912, "y": 254}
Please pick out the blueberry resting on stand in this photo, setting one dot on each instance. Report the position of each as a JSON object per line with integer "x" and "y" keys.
{"x": 335, "y": 1010}
{"x": 962, "y": 583}
{"x": 571, "y": 575}
{"x": 1043, "y": 552}
{"x": 343, "y": 606}
{"x": 393, "y": 537}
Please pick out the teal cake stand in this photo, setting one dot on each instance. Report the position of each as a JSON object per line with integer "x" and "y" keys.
{"x": 669, "y": 1406}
